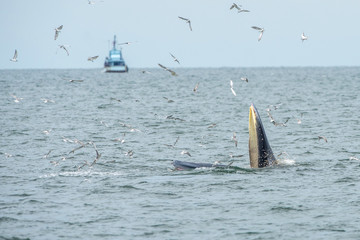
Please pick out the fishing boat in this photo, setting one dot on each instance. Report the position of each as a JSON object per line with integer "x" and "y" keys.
{"x": 115, "y": 61}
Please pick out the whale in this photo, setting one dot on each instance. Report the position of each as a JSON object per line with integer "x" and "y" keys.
{"x": 260, "y": 152}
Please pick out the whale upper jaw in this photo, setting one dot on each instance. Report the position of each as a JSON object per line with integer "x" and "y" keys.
{"x": 260, "y": 152}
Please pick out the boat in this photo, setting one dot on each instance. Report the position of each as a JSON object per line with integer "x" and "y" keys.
{"x": 115, "y": 62}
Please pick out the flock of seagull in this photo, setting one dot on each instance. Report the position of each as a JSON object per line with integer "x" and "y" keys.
{"x": 173, "y": 73}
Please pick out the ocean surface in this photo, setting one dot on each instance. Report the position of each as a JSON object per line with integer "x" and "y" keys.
{"x": 55, "y": 184}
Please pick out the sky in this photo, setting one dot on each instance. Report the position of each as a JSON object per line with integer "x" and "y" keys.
{"x": 220, "y": 38}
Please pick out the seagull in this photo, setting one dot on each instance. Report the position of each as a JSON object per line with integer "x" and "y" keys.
{"x": 17, "y": 99}
{"x": 46, "y": 155}
{"x": 196, "y": 87}
{"x": 231, "y": 87}
{"x": 168, "y": 100}
{"x": 212, "y": 125}
{"x": 129, "y": 153}
{"x": 322, "y": 137}
{"x": 167, "y": 69}
{"x": 14, "y": 59}
{"x": 47, "y": 100}
{"x": 235, "y": 139}
{"x": 245, "y": 79}
{"x": 173, "y": 145}
{"x": 185, "y": 152}
{"x": 57, "y": 31}
{"x": 92, "y": 58}
{"x": 76, "y": 80}
{"x": 147, "y": 72}
{"x": 98, "y": 155}
{"x": 125, "y": 43}
{"x": 272, "y": 120}
{"x": 47, "y": 132}
{"x": 234, "y": 5}
{"x": 303, "y": 37}
{"x": 91, "y": 2}
{"x": 261, "y": 30}
{"x": 65, "y": 48}
{"x": 120, "y": 140}
{"x": 175, "y": 59}
{"x": 188, "y": 21}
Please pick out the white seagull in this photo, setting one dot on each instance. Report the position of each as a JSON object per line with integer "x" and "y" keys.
{"x": 14, "y": 59}
{"x": 196, "y": 87}
{"x": 188, "y": 21}
{"x": 92, "y": 58}
{"x": 244, "y": 79}
{"x": 232, "y": 87}
{"x": 17, "y": 99}
{"x": 57, "y": 31}
{"x": 303, "y": 37}
{"x": 261, "y": 30}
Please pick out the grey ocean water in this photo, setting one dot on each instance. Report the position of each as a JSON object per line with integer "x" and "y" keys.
{"x": 312, "y": 194}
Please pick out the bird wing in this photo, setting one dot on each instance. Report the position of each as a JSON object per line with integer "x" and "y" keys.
{"x": 233, "y": 92}
{"x": 256, "y": 28}
{"x": 231, "y": 84}
{"x": 65, "y": 49}
{"x": 260, "y": 36}
{"x": 59, "y": 28}
{"x": 56, "y": 34}
{"x": 15, "y": 54}
{"x": 162, "y": 66}
{"x": 184, "y": 18}
{"x": 190, "y": 25}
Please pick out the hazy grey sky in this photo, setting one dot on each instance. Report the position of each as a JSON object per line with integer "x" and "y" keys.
{"x": 220, "y": 37}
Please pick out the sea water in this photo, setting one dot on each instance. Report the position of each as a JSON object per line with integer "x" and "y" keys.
{"x": 49, "y": 191}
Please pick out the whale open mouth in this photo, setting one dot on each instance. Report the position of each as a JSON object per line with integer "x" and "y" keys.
{"x": 260, "y": 152}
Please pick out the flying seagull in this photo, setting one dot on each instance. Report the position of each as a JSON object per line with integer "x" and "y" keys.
{"x": 235, "y": 139}
{"x": 175, "y": 59}
{"x": 261, "y": 30}
{"x": 303, "y": 37}
{"x": 196, "y": 87}
{"x": 232, "y": 87}
{"x": 16, "y": 99}
{"x": 92, "y": 58}
{"x": 188, "y": 21}
{"x": 322, "y": 137}
{"x": 57, "y": 31}
{"x": 185, "y": 152}
{"x": 167, "y": 69}
{"x": 125, "y": 43}
{"x": 244, "y": 79}
{"x": 14, "y": 59}
{"x": 65, "y": 48}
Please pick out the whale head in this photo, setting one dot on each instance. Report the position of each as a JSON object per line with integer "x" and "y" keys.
{"x": 260, "y": 151}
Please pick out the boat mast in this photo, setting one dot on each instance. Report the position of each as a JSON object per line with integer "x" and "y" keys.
{"x": 114, "y": 42}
